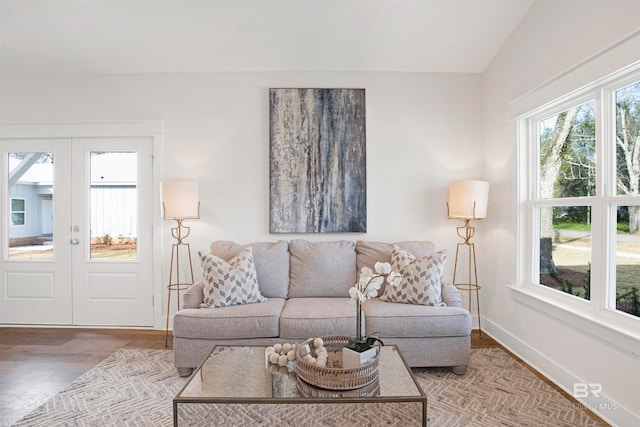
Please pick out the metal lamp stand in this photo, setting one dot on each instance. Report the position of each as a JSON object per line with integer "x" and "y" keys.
{"x": 466, "y": 232}
{"x": 176, "y": 285}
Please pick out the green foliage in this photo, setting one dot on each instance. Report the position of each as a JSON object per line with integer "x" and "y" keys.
{"x": 107, "y": 240}
{"x": 629, "y": 302}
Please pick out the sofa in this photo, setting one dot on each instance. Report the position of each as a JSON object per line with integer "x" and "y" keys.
{"x": 305, "y": 292}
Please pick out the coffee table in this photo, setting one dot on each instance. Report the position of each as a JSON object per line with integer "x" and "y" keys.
{"x": 233, "y": 375}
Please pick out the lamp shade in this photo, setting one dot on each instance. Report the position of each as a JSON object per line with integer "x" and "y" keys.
{"x": 180, "y": 199}
{"x": 468, "y": 199}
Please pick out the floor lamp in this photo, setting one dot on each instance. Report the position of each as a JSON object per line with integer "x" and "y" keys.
{"x": 468, "y": 201}
{"x": 179, "y": 202}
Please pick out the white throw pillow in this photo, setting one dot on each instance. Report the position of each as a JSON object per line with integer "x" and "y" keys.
{"x": 230, "y": 283}
{"x": 422, "y": 281}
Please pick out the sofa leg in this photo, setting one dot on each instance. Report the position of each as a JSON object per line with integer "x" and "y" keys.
{"x": 459, "y": 370}
{"x": 184, "y": 372}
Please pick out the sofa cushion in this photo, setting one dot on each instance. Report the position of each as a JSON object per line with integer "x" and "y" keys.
{"x": 234, "y": 322}
{"x": 304, "y": 318}
{"x": 271, "y": 260}
{"x": 368, "y": 253}
{"x": 422, "y": 279}
{"x": 322, "y": 269}
{"x": 230, "y": 283}
{"x": 390, "y": 319}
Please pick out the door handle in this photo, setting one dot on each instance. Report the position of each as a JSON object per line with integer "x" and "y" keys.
{"x": 75, "y": 241}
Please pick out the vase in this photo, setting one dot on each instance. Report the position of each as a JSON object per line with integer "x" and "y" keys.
{"x": 358, "y": 321}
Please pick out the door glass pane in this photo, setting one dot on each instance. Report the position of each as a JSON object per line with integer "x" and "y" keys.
{"x": 565, "y": 249}
{"x": 567, "y": 161}
{"x": 627, "y": 285}
{"x": 31, "y": 205}
{"x": 113, "y": 205}
{"x": 628, "y": 142}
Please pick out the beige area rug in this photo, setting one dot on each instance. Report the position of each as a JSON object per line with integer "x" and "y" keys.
{"x": 136, "y": 388}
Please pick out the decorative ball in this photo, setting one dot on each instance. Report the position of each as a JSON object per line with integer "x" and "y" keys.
{"x": 291, "y": 355}
{"x": 274, "y": 369}
{"x": 274, "y": 357}
{"x": 321, "y": 350}
{"x": 277, "y": 348}
{"x": 269, "y": 350}
{"x": 286, "y": 347}
{"x": 318, "y": 342}
{"x": 282, "y": 360}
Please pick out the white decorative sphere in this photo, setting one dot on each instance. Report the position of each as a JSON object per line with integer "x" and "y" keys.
{"x": 318, "y": 342}
{"x": 282, "y": 360}
{"x": 274, "y": 369}
{"x": 291, "y": 355}
{"x": 269, "y": 350}
{"x": 277, "y": 348}
{"x": 273, "y": 358}
{"x": 286, "y": 347}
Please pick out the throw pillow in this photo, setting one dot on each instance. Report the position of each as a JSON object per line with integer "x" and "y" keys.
{"x": 230, "y": 283}
{"x": 422, "y": 281}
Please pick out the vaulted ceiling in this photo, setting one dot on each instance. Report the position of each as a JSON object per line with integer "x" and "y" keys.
{"x": 146, "y": 36}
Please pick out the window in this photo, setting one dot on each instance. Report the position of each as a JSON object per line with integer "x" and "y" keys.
{"x": 583, "y": 198}
{"x": 17, "y": 212}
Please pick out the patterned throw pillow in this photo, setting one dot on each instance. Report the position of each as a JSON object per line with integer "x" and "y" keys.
{"x": 423, "y": 285}
{"x": 230, "y": 283}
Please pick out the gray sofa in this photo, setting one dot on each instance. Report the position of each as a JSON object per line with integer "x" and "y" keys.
{"x": 306, "y": 285}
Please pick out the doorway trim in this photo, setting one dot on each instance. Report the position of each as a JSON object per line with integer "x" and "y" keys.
{"x": 132, "y": 128}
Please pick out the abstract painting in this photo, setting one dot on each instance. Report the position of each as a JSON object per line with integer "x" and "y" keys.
{"x": 318, "y": 162}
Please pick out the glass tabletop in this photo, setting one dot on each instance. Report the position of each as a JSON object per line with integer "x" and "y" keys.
{"x": 238, "y": 373}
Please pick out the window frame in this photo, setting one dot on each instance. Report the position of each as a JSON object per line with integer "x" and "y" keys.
{"x": 600, "y": 309}
{"x": 23, "y": 212}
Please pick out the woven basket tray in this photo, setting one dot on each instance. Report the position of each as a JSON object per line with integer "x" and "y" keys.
{"x": 333, "y": 377}
{"x": 308, "y": 390}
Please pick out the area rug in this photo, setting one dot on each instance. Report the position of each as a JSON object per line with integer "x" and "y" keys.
{"x": 136, "y": 388}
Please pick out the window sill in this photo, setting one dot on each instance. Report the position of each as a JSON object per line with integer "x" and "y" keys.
{"x": 588, "y": 322}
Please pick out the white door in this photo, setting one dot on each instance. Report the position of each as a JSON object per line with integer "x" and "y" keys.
{"x": 95, "y": 268}
{"x": 47, "y": 216}
{"x": 111, "y": 232}
{"x": 35, "y": 279}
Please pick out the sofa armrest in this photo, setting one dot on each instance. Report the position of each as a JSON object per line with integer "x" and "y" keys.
{"x": 451, "y": 295}
{"x": 194, "y": 296}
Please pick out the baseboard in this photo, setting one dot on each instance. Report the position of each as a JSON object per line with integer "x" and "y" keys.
{"x": 604, "y": 407}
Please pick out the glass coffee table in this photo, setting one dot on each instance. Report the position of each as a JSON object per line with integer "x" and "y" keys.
{"x": 235, "y": 385}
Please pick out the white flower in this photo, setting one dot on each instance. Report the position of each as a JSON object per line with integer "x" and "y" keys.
{"x": 356, "y": 294}
{"x": 369, "y": 283}
{"x": 394, "y": 278}
{"x": 383, "y": 268}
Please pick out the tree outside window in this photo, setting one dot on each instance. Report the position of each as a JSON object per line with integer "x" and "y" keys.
{"x": 569, "y": 190}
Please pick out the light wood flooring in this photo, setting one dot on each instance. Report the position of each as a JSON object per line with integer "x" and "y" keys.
{"x": 37, "y": 363}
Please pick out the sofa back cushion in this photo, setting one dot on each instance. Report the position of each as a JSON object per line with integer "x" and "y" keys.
{"x": 322, "y": 269}
{"x": 368, "y": 253}
{"x": 271, "y": 261}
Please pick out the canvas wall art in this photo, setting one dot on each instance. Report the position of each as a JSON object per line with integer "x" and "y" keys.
{"x": 318, "y": 161}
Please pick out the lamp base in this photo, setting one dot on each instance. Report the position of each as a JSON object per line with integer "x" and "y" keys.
{"x": 469, "y": 286}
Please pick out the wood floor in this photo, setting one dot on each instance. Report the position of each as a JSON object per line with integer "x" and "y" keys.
{"x": 37, "y": 363}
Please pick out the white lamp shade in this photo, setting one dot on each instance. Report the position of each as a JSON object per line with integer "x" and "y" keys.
{"x": 468, "y": 199}
{"x": 180, "y": 199}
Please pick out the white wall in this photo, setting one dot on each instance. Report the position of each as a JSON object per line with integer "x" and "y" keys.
{"x": 554, "y": 38}
{"x": 423, "y": 130}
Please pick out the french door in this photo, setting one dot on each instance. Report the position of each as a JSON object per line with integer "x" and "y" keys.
{"x": 76, "y": 234}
